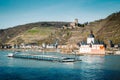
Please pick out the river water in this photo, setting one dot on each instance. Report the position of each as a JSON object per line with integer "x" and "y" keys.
{"x": 90, "y": 68}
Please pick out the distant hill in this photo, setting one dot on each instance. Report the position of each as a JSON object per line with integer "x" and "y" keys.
{"x": 104, "y": 29}
{"x": 7, "y": 34}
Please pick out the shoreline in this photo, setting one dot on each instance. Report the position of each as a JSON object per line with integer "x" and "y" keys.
{"x": 55, "y": 50}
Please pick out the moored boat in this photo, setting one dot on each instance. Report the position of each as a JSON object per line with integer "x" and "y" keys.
{"x": 10, "y": 55}
{"x": 43, "y": 57}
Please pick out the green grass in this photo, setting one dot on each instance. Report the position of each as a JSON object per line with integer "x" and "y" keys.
{"x": 40, "y": 31}
{"x": 33, "y": 31}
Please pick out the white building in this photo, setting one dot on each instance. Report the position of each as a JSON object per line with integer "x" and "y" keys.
{"x": 91, "y": 47}
{"x": 91, "y": 39}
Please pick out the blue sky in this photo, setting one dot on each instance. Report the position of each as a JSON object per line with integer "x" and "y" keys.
{"x": 18, "y": 12}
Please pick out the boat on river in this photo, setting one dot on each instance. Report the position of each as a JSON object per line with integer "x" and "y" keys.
{"x": 42, "y": 57}
{"x": 10, "y": 55}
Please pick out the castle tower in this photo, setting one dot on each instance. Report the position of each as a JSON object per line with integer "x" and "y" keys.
{"x": 76, "y": 21}
{"x": 74, "y": 24}
{"x": 90, "y": 38}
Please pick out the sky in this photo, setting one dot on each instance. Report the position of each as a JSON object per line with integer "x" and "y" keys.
{"x": 18, "y": 12}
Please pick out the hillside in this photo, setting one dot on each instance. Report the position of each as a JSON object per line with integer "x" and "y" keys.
{"x": 7, "y": 34}
{"x": 32, "y": 35}
{"x": 104, "y": 29}
{"x": 111, "y": 29}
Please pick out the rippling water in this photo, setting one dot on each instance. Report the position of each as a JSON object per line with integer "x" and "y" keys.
{"x": 90, "y": 68}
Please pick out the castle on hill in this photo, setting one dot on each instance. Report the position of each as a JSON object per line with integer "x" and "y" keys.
{"x": 72, "y": 25}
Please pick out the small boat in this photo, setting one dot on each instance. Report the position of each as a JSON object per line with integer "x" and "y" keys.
{"x": 68, "y": 59}
{"x": 10, "y": 55}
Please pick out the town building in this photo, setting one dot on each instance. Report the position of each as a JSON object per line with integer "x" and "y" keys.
{"x": 68, "y": 48}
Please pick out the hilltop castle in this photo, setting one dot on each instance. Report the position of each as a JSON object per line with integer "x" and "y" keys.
{"x": 72, "y": 25}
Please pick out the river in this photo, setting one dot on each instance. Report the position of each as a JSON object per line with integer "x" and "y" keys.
{"x": 92, "y": 67}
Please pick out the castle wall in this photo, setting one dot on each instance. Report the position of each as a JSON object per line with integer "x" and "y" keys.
{"x": 89, "y": 40}
{"x": 94, "y": 49}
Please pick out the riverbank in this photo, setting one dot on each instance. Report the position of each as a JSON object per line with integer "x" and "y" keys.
{"x": 107, "y": 52}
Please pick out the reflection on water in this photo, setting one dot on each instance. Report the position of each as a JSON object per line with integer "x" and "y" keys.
{"x": 90, "y": 68}
{"x": 92, "y": 62}
{"x": 92, "y": 59}
{"x": 69, "y": 64}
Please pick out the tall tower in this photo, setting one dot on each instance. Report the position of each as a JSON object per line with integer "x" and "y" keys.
{"x": 76, "y": 21}
{"x": 90, "y": 38}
